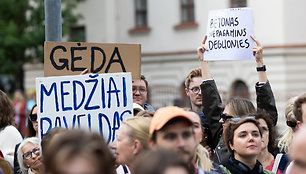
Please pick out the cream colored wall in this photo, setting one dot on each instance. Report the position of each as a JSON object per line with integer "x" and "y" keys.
{"x": 277, "y": 22}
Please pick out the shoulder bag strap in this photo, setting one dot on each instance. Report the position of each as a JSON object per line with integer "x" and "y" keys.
{"x": 276, "y": 162}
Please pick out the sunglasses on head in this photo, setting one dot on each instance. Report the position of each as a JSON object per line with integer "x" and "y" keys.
{"x": 237, "y": 119}
{"x": 33, "y": 117}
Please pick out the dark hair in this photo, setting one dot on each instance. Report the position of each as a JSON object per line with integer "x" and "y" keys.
{"x": 7, "y": 111}
{"x": 240, "y": 107}
{"x": 228, "y": 134}
{"x": 70, "y": 144}
{"x": 297, "y": 107}
{"x": 261, "y": 114}
{"x": 160, "y": 161}
{"x": 30, "y": 131}
{"x": 142, "y": 77}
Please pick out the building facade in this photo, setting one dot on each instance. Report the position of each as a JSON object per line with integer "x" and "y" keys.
{"x": 170, "y": 31}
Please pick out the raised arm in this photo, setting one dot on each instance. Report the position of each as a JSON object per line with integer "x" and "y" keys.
{"x": 211, "y": 100}
{"x": 204, "y": 64}
{"x": 265, "y": 98}
{"x": 257, "y": 52}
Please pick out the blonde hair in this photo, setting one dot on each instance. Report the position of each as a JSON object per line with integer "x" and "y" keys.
{"x": 139, "y": 129}
{"x": 196, "y": 72}
{"x": 285, "y": 140}
{"x": 202, "y": 159}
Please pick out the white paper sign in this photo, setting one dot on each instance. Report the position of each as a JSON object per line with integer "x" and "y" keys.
{"x": 93, "y": 102}
{"x": 228, "y": 34}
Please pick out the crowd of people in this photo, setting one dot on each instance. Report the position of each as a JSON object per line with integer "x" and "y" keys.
{"x": 210, "y": 137}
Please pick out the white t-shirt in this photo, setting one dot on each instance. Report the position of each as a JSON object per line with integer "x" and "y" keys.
{"x": 9, "y": 137}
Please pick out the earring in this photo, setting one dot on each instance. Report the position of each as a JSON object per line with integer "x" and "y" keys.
{"x": 28, "y": 166}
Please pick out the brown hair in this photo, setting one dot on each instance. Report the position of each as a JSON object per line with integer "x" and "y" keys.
{"x": 74, "y": 143}
{"x": 48, "y": 137}
{"x": 7, "y": 111}
{"x": 30, "y": 131}
{"x": 262, "y": 114}
{"x": 240, "y": 107}
{"x": 228, "y": 134}
{"x": 196, "y": 72}
{"x": 297, "y": 108}
{"x": 160, "y": 161}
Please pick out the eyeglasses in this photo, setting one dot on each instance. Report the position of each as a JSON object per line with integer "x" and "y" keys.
{"x": 28, "y": 155}
{"x": 33, "y": 117}
{"x": 237, "y": 119}
{"x": 141, "y": 89}
{"x": 195, "y": 90}
{"x": 225, "y": 117}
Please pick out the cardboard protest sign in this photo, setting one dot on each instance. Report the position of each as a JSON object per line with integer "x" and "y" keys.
{"x": 93, "y": 102}
{"x": 71, "y": 58}
{"x": 228, "y": 34}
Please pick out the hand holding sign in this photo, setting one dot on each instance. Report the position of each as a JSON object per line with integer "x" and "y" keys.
{"x": 201, "y": 49}
{"x": 257, "y": 52}
{"x": 228, "y": 34}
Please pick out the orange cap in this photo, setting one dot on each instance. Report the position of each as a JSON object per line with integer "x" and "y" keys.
{"x": 164, "y": 115}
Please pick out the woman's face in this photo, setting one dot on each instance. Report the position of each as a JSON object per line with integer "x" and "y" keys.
{"x": 247, "y": 140}
{"x": 31, "y": 156}
{"x": 35, "y": 123}
{"x": 123, "y": 146}
{"x": 226, "y": 111}
{"x": 265, "y": 133}
{"x": 196, "y": 126}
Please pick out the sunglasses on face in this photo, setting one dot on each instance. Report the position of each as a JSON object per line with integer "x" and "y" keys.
{"x": 291, "y": 124}
{"x": 225, "y": 117}
{"x": 33, "y": 117}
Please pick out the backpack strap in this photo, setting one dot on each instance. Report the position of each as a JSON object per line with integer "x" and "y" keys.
{"x": 276, "y": 162}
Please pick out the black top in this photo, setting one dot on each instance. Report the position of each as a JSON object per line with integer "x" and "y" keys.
{"x": 237, "y": 167}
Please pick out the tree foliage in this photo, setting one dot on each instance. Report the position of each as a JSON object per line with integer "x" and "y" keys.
{"x": 22, "y": 33}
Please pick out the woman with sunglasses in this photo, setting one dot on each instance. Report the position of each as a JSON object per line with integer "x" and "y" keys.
{"x": 32, "y": 128}
{"x": 217, "y": 114}
{"x": 28, "y": 155}
{"x": 243, "y": 139}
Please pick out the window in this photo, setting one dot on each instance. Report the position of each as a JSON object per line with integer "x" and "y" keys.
{"x": 187, "y": 11}
{"x": 238, "y": 3}
{"x": 240, "y": 89}
{"x": 141, "y": 13}
{"x": 77, "y": 34}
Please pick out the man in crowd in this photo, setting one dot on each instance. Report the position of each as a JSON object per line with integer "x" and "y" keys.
{"x": 299, "y": 110}
{"x": 172, "y": 129}
{"x": 297, "y": 152}
{"x": 193, "y": 90}
{"x": 140, "y": 93}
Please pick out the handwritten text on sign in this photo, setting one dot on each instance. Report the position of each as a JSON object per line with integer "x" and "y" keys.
{"x": 71, "y": 58}
{"x": 93, "y": 102}
{"x": 228, "y": 34}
